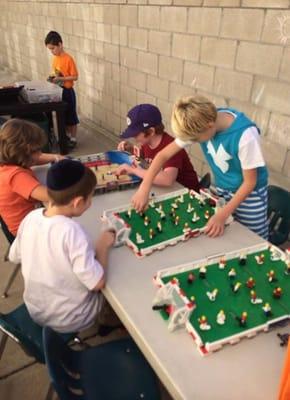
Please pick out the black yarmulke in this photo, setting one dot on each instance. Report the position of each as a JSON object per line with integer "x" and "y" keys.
{"x": 64, "y": 174}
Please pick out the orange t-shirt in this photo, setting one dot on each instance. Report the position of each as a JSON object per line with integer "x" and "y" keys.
{"x": 284, "y": 390}
{"x": 16, "y": 185}
{"x": 64, "y": 65}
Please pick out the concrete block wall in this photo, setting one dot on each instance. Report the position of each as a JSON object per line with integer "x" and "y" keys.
{"x": 129, "y": 51}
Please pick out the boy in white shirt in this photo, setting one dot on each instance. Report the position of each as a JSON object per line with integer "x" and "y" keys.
{"x": 62, "y": 277}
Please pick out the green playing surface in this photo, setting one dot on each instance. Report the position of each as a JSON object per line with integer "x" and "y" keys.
{"x": 169, "y": 229}
{"x": 232, "y": 303}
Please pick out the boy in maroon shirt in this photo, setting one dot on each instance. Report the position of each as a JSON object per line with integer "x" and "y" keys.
{"x": 145, "y": 126}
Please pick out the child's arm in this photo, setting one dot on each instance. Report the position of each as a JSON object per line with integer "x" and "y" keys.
{"x": 39, "y": 193}
{"x": 215, "y": 226}
{"x": 164, "y": 178}
{"x": 58, "y": 79}
{"x": 140, "y": 198}
{"x": 46, "y": 158}
{"x": 103, "y": 245}
{"x": 28, "y": 186}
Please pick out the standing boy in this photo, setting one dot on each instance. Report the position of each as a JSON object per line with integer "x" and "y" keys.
{"x": 64, "y": 73}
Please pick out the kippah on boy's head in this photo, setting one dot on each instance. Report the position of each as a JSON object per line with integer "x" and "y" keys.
{"x": 53, "y": 38}
{"x": 68, "y": 179}
{"x": 64, "y": 174}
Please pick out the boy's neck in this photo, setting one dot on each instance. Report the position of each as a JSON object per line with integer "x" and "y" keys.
{"x": 155, "y": 141}
{"x": 224, "y": 121}
{"x": 52, "y": 211}
{"x": 61, "y": 52}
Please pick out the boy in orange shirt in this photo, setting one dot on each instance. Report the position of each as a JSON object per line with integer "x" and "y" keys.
{"x": 20, "y": 190}
{"x": 64, "y": 74}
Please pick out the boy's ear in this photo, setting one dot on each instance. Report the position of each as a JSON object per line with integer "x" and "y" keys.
{"x": 211, "y": 124}
{"x": 151, "y": 131}
{"x": 77, "y": 201}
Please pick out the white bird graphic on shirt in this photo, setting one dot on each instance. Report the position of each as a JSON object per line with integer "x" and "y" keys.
{"x": 220, "y": 157}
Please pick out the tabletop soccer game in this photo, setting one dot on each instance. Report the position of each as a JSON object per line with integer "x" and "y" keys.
{"x": 224, "y": 298}
{"x": 169, "y": 219}
{"x": 104, "y": 166}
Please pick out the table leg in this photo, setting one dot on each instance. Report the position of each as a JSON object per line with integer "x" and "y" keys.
{"x": 61, "y": 132}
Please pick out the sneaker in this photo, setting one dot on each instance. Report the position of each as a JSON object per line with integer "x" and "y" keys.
{"x": 71, "y": 144}
{"x": 105, "y": 330}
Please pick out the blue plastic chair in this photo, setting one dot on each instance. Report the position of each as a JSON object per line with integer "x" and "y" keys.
{"x": 19, "y": 326}
{"x": 278, "y": 214}
{"x": 115, "y": 370}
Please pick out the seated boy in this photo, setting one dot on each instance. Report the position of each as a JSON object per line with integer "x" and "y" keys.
{"x": 145, "y": 126}
{"x": 62, "y": 276}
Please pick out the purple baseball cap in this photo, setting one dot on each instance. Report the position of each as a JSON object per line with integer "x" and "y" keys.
{"x": 141, "y": 117}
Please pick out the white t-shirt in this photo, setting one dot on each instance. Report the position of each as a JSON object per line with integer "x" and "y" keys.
{"x": 250, "y": 153}
{"x": 59, "y": 269}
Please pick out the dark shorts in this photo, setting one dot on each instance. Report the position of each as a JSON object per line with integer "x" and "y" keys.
{"x": 69, "y": 96}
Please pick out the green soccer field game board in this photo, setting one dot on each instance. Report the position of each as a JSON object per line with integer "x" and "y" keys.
{"x": 217, "y": 306}
{"x": 169, "y": 219}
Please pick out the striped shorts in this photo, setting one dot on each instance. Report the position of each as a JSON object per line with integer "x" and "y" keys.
{"x": 252, "y": 212}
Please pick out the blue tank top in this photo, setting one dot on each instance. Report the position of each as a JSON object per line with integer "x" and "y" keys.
{"x": 222, "y": 154}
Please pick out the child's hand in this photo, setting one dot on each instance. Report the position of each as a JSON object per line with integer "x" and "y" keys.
{"x": 55, "y": 79}
{"x": 58, "y": 157}
{"x": 216, "y": 225}
{"x": 121, "y": 145}
{"x": 140, "y": 199}
{"x": 125, "y": 146}
{"x": 124, "y": 169}
{"x": 107, "y": 238}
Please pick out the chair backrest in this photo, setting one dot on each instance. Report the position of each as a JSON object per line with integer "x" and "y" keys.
{"x": 278, "y": 214}
{"x": 62, "y": 367}
{"x": 19, "y": 326}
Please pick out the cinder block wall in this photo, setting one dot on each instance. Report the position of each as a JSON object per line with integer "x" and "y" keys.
{"x": 131, "y": 51}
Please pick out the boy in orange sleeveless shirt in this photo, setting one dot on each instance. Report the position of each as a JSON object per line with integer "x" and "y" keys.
{"x": 64, "y": 74}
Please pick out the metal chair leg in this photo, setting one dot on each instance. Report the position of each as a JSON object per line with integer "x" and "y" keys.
{"x": 10, "y": 280}
{"x": 50, "y": 392}
{"x": 6, "y": 254}
{"x": 3, "y": 340}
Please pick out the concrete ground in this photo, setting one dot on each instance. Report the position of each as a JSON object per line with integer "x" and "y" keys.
{"x": 20, "y": 377}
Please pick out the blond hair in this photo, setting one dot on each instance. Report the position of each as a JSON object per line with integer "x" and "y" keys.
{"x": 18, "y": 140}
{"x": 191, "y": 116}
